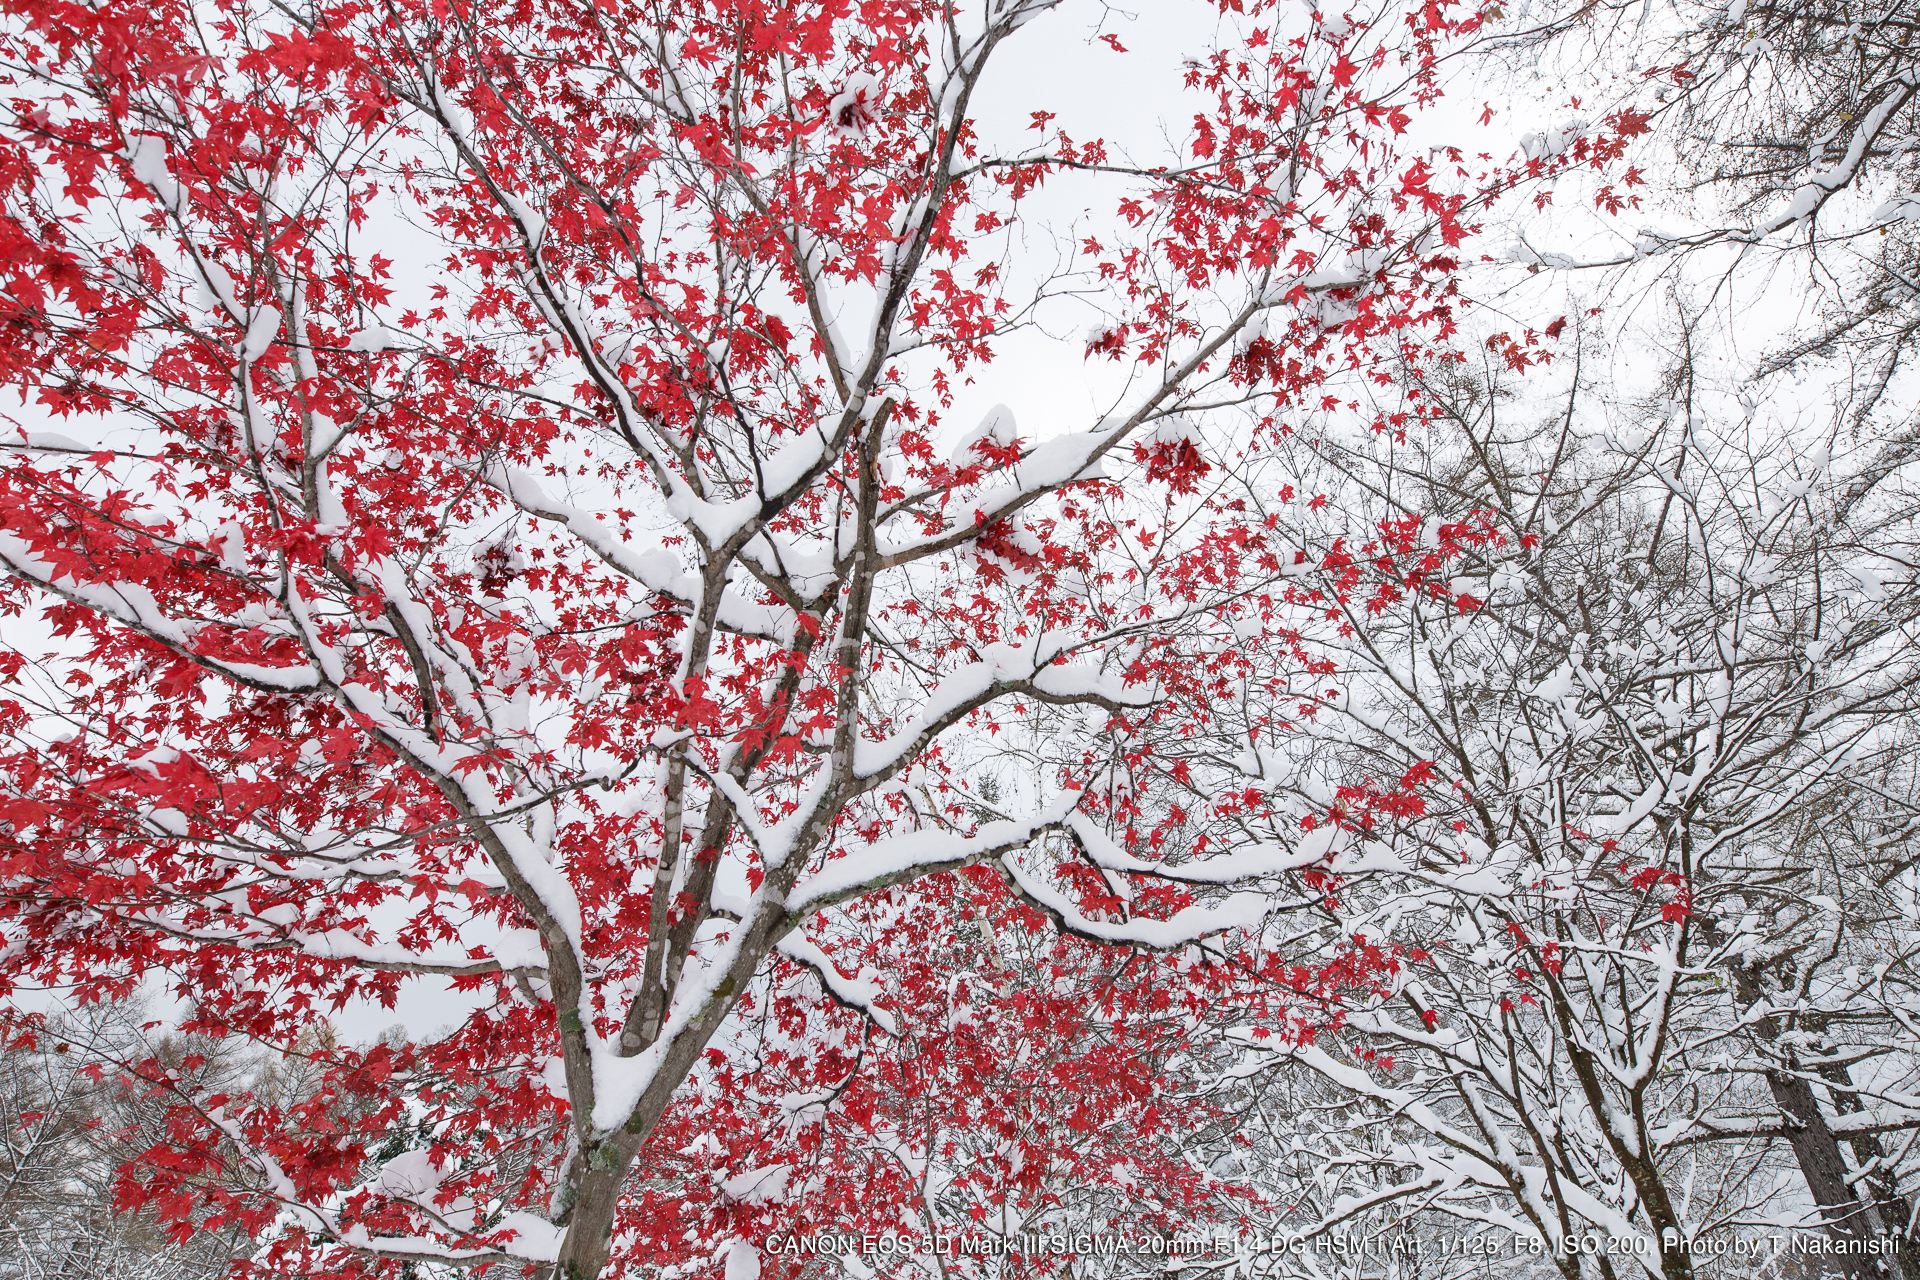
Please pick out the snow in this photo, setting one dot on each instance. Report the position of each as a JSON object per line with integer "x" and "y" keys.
{"x": 1064, "y": 458}
{"x": 135, "y": 605}
{"x": 263, "y": 326}
{"x": 1825, "y": 181}
{"x": 518, "y": 949}
{"x": 654, "y": 567}
{"x": 147, "y": 156}
{"x": 861, "y": 93}
{"x": 1252, "y": 862}
{"x": 534, "y": 1238}
{"x": 1002, "y": 668}
{"x": 217, "y": 289}
{"x": 743, "y": 1261}
{"x": 458, "y": 120}
{"x": 373, "y": 339}
{"x": 1902, "y": 207}
{"x": 1869, "y": 581}
{"x": 1552, "y": 142}
{"x": 997, "y": 428}
{"x": 1243, "y": 910}
{"x": 231, "y": 540}
{"x": 14, "y": 436}
{"x": 1369, "y": 719}
{"x": 1556, "y": 686}
{"x": 898, "y": 856}
{"x": 531, "y": 223}
{"x": 331, "y": 510}
{"x": 758, "y": 1186}
{"x": 411, "y": 1175}
{"x": 150, "y": 761}
{"x": 861, "y": 993}
{"x": 619, "y": 1082}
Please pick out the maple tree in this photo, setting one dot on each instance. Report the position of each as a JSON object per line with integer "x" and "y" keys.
{"x": 486, "y": 506}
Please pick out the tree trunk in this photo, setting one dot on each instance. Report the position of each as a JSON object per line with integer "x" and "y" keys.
{"x": 589, "y": 1240}
{"x": 1816, "y": 1149}
{"x": 1882, "y": 1185}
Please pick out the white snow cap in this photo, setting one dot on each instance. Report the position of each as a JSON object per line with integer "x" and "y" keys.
{"x": 996, "y": 429}
{"x": 1551, "y": 142}
{"x": 377, "y": 338}
{"x": 148, "y": 158}
{"x": 232, "y": 542}
{"x": 410, "y": 1175}
{"x": 853, "y": 108}
{"x": 263, "y": 326}
{"x": 743, "y": 1261}
{"x": 1171, "y": 429}
{"x": 766, "y": 1185}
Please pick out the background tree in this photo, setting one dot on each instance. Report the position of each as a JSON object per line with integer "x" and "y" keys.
{"x": 71, "y": 1117}
{"x": 1779, "y": 126}
{"x": 1618, "y": 694}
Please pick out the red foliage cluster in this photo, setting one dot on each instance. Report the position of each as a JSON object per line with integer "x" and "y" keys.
{"x": 535, "y": 592}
